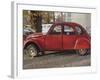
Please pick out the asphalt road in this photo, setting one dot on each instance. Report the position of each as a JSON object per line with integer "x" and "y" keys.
{"x": 57, "y": 59}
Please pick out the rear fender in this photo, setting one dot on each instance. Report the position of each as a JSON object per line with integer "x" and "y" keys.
{"x": 82, "y": 43}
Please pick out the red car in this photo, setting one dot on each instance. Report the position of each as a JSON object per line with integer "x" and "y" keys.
{"x": 60, "y": 37}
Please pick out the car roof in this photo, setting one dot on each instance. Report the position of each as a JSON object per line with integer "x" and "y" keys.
{"x": 67, "y": 23}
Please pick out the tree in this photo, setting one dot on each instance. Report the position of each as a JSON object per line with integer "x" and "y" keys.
{"x": 36, "y": 21}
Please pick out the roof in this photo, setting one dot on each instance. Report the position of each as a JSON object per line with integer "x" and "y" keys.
{"x": 68, "y": 23}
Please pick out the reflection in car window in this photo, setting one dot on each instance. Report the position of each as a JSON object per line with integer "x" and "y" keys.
{"x": 78, "y": 29}
{"x": 68, "y": 30}
{"x": 56, "y": 30}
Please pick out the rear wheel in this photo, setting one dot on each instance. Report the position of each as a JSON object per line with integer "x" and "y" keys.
{"x": 82, "y": 52}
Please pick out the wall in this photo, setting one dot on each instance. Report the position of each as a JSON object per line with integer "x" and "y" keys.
{"x": 83, "y": 19}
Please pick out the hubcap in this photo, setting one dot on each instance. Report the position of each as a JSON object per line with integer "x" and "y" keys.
{"x": 32, "y": 53}
{"x": 82, "y": 51}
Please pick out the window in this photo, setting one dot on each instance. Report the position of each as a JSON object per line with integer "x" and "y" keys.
{"x": 68, "y": 30}
{"x": 78, "y": 30}
{"x": 56, "y": 30}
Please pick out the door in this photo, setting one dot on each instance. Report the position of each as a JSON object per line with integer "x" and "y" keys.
{"x": 53, "y": 40}
{"x": 69, "y": 37}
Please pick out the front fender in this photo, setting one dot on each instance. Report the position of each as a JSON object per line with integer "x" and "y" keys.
{"x": 82, "y": 43}
{"x": 31, "y": 41}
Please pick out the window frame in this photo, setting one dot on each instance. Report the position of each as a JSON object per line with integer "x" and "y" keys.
{"x": 52, "y": 28}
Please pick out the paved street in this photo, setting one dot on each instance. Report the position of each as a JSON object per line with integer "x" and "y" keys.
{"x": 56, "y": 59}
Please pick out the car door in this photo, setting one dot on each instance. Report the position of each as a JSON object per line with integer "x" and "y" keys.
{"x": 53, "y": 40}
{"x": 69, "y": 37}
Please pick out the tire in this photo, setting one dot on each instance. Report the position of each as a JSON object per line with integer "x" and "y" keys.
{"x": 31, "y": 51}
{"x": 82, "y": 52}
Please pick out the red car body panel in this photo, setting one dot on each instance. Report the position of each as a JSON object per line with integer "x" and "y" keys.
{"x": 53, "y": 42}
{"x": 59, "y": 42}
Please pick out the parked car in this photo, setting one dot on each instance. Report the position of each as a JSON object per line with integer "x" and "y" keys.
{"x": 60, "y": 37}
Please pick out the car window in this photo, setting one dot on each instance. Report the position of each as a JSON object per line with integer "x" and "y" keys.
{"x": 68, "y": 30}
{"x": 57, "y": 30}
{"x": 78, "y": 30}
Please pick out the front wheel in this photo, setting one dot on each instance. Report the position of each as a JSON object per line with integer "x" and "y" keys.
{"x": 82, "y": 52}
{"x": 31, "y": 50}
